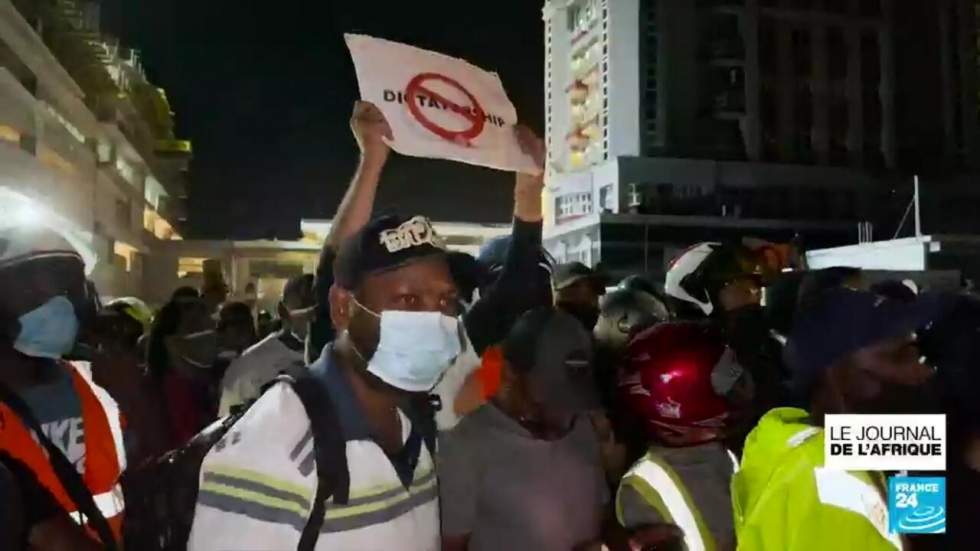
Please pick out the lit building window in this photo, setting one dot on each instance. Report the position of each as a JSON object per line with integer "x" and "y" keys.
{"x": 159, "y": 226}
{"x": 127, "y": 171}
{"x": 189, "y": 265}
{"x": 9, "y": 134}
{"x": 48, "y": 157}
{"x": 126, "y": 251}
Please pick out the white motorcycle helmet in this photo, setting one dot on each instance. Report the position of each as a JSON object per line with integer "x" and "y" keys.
{"x": 688, "y": 263}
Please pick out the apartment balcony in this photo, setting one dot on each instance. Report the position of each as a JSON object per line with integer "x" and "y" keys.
{"x": 578, "y": 92}
{"x": 578, "y": 141}
{"x": 17, "y": 109}
{"x": 174, "y": 148}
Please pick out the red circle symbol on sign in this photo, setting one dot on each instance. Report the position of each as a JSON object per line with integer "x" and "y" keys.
{"x": 474, "y": 114}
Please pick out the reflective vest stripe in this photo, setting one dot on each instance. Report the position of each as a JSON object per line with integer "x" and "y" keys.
{"x": 419, "y": 496}
{"x": 671, "y": 492}
{"x": 734, "y": 461}
{"x": 255, "y": 507}
{"x": 420, "y": 486}
{"x": 649, "y": 495}
{"x": 260, "y": 506}
{"x": 111, "y": 410}
{"x": 255, "y": 477}
{"x": 261, "y": 497}
{"x": 844, "y": 490}
{"x": 799, "y": 438}
{"x": 104, "y": 450}
{"x": 111, "y": 504}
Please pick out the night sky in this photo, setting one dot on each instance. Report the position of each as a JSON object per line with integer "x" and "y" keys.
{"x": 265, "y": 89}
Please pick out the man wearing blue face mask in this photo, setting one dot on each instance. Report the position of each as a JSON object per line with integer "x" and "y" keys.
{"x": 53, "y": 418}
{"x": 396, "y": 309}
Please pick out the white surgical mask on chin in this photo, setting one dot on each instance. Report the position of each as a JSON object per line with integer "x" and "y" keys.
{"x": 415, "y": 348}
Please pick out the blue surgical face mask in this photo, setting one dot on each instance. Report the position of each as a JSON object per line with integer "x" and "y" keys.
{"x": 48, "y": 331}
{"x": 415, "y": 348}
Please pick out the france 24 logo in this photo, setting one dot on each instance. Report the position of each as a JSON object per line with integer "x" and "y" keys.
{"x": 917, "y": 505}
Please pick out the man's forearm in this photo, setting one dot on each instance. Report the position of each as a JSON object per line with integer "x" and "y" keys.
{"x": 358, "y": 203}
{"x": 527, "y": 197}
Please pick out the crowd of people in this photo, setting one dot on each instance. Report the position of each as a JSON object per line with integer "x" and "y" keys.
{"x": 412, "y": 398}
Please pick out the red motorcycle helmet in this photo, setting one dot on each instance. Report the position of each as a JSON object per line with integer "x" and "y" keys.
{"x": 667, "y": 382}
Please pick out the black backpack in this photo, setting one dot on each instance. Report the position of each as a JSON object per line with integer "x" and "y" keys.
{"x": 161, "y": 496}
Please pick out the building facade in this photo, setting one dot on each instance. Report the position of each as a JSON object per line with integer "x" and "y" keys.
{"x": 672, "y": 121}
{"x": 265, "y": 265}
{"x": 86, "y": 140}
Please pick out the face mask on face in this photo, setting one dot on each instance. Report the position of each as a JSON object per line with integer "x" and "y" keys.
{"x": 586, "y": 314}
{"x": 415, "y": 348}
{"x": 48, "y": 331}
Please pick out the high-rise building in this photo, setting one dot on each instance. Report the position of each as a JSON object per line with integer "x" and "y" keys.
{"x": 86, "y": 140}
{"x": 674, "y": 121}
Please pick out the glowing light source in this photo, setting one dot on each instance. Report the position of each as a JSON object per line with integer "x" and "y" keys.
{"x": 17, "y": 209}
{"x": 27, "y": 213}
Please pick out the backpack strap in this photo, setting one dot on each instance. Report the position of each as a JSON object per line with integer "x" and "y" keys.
{"x": 422, "y": 413}
{"x": 330, "y": 452}
{"x": 70, "y": 480}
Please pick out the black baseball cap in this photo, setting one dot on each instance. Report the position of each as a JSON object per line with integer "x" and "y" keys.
{"x": 566, "y": 275}
{"x": 555, "y": 352}
{"x": 841, "y": 321}
{"x": 386, "y": 243}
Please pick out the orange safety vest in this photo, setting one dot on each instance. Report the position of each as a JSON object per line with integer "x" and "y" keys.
{"x": 105, "y": 455}
{"x": 491, "y": 369}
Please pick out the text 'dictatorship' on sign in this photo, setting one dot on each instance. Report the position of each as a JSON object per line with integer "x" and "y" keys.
{"x": 439, "y": 106}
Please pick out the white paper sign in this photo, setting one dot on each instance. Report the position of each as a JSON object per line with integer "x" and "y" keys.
{"x": 439, "y": 106}
{"x": 885, "y": 442}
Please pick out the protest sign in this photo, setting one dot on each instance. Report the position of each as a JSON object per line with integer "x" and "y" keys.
{"x": 439, "y": 106}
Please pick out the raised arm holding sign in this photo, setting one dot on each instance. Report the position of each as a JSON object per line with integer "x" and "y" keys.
{"x": 439, "y": 106}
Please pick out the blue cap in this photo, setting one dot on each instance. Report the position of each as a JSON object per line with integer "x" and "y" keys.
{"x": 842, "y": 321}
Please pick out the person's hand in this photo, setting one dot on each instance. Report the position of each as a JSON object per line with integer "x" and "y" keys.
{"x": 531, "y": 145}
{"x": 370, "y": 127}
{"x": 527, "y": 193}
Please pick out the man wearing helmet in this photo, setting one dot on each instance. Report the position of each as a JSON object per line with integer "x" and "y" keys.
{"x": 119, "y": 366}
{"x": 56, "y": 420}
{"x": 623, "y": 313}
{"x": 724, "y": 282}
{"x": 675, "y": 376}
